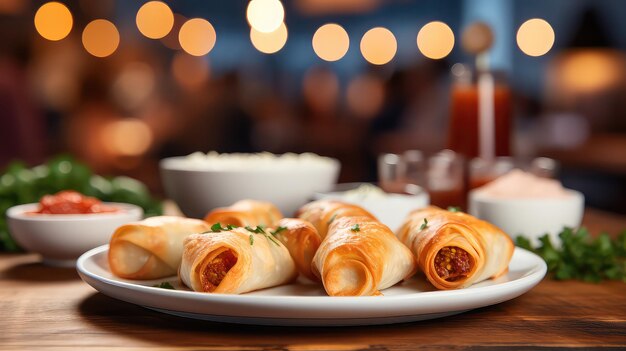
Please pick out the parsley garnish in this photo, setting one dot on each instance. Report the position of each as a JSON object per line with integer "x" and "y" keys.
{"x": 454, "y": 209}
{"x": 278, "y": 230}
{"x": 332, "y": 219}
{"x": 355, "y": 228}
{"x": 251, "y": 239}
{"x": 272, "y": 240}
{"x": 259, "y": 230}
{"x": 164, "y": 285}
{"x": 217, "y": 227}
{"x": 582, "y": 257}
{"x": 424, "y": 225}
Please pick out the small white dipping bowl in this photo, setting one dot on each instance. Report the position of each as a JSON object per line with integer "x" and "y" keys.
{"x": 61, "y": 239}
{"x": 530, "y": 217}
{"x": 197, "y": 189}
{"x": 391, "y": 209}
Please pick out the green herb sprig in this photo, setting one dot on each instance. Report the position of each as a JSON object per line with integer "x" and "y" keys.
{"x": 278, "y": 230}
{"x": 454, "y": 209}
{"x": 260, "y": 230}
{"x": 424, "y": 225}
{"x": 217, "y": 227}
{"x": 331, "y": 219}
{"x": 355, "y": 228}
{"x": 582, "y": 257}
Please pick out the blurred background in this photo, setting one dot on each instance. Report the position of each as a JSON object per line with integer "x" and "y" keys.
{"x": 122, "y": 84}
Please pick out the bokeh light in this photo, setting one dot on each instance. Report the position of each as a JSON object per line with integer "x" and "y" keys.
{"x": 477, "y": 38}
{"x": 435, "y": 40}
{"x": 101, "y": 38}
{"x": 134, "y": 85}
{"x": 13, "y": 7}
{"x": 53, "y": 21}
{"x": 129, "y": 137}
{"x": 265, "y": 15}
{"x": 155, "y": 19}
{"x": 190, "y": 72}
{"x": 271, "y": 42}
{"x": 320, "y": 89}
{"x": 365, "y": 96}
{"x": 197, "y": 37}
{"x": 331, "y": 42}
{"x": 378, "y": 46}
{"x": 586, "y": 71}
{"x": 535, "y": 37}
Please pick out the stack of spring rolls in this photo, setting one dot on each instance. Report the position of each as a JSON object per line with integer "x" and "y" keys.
{"x": 250, "y": 246}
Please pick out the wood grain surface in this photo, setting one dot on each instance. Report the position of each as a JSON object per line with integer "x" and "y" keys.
{"x": 52, "y": 309}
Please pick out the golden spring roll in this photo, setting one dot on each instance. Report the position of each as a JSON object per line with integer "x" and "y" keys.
{"x": 151, "y": 248}
{"x": 235, "y": 262}
{"x": 360, "y": 257}
{"x": 245, "y": 213}
{"x": 454, "y": 249}
{"x": 302, "y": 240}
{"x": 322, "y": 213}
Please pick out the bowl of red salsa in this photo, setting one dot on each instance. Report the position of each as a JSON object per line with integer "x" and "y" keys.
{"x": 63, "y": 226}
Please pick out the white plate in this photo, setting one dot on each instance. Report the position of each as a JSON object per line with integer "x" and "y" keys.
{"x": 306, "y": 304}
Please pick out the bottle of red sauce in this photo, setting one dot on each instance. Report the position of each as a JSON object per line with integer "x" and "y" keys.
{"x": 463, "y": 129}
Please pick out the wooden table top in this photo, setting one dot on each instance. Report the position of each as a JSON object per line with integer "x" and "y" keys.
{"x": 51, "y": 308}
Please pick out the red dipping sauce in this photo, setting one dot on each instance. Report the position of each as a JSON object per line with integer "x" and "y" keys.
{"x": 72, "y": 202}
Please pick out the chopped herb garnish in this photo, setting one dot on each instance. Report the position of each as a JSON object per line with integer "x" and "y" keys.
{"x": 424, "y": 225}
{"x": 355, "y": 228}
{"x": 454, "y": 209}
{"x": 251, "y": 239}
{"x": 278, "y": 230}
{"x": 332, "y": 219}
{"x": 270, "y": 238}
{"x": 217, "y": 227}
{"x": 164, "y": 285}
{"x": 258, "y": 229}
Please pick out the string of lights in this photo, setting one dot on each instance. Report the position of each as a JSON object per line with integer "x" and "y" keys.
{"x": 269, "y": 34}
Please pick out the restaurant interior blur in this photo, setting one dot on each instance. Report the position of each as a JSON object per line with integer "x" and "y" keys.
{"x": 120, "y": 85}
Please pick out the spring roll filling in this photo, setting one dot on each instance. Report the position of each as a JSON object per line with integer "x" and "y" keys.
{"x": 215, "y": 271}
{"x": 453, "y": 263}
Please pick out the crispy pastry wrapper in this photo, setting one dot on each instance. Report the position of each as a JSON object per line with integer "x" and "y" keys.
{"x": 246, "y": 213}
{"x": 260, "y": 262}
{"x": 488, "y": 246}
{"x": 151, "y": 248}
{"x": 322, "y": 213}
{"x": 302, "y": 240}
{"x": 360, "y": 257}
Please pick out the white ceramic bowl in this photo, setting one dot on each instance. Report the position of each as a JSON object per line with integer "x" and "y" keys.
{"x": 198, "y": 190}
{"x": 61, "y": 239}
{"x": 391, "y": 209}
{"x": 529, "y": 217}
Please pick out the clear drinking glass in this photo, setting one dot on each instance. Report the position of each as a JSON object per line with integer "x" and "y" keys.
{"x": 483, "y": 171}
{"x": 445, "y": 179}
{"x": 390, "y": 173}
{"x": 440, "y": 174}
{"x": 544, "y": 167}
